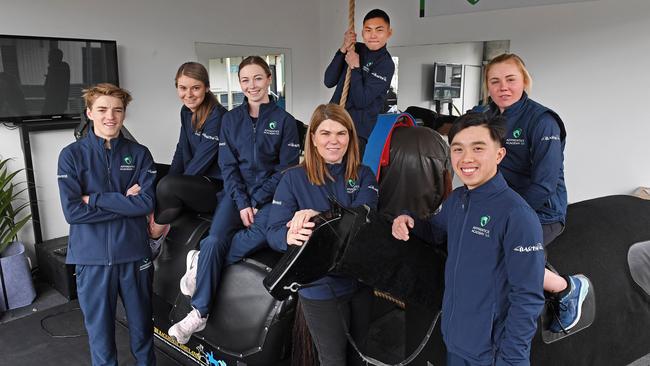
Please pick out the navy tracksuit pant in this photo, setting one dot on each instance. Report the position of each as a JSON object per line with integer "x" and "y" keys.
{"x": 227, "y": 242}
{"x": 98, "y": 287}
{"x": 456, "y": 360}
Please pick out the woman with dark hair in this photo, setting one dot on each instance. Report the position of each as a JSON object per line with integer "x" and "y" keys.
{"x": 331, "y": 167}
{"x": 258, "y": 141}
{"x": 194, "y": 177}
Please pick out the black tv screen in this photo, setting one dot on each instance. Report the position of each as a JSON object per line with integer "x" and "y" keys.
{"x": 41, "y": 78}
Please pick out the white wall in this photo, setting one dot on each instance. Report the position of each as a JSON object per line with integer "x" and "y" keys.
{"x": 154, "y": 37}
{"x": 569, "y": 50}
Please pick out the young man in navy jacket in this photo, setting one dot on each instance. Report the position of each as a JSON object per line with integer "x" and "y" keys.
{"x": 495, "y": 266}
{"x": 372, "y": 70}
{"x": 106, "y": 189}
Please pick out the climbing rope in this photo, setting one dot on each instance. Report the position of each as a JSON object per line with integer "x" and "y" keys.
{"x": 346, "y": 85}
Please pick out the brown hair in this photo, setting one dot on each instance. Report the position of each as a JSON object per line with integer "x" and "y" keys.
{"x": 255, "y": 60}
{"x": 507, "y": 57}
{"x": 91, "y": 94}
{"x": 198, "y": 72}
{"x": 314, "y": 164}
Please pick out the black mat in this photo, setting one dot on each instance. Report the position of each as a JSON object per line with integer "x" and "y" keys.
{"x": 57, "y": 337}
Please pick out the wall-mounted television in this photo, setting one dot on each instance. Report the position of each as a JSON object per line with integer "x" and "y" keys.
{"x": 41, "y": 78}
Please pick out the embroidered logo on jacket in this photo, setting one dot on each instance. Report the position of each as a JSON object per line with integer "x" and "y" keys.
{"x": 352, "y": 186}
{"x": 128, "y": 163}
{"x": 272, "y": 129}
{"x": 208, "y": 137}
{"x": 531, "y": 248}
{"x": 482, "y": 231}
{"x": 516, "y": 140}
{"x": 550, "y": 138}
{"x": 366, "y": 67}
{"x": 382, "y": 78}
{"x": 484, "y": 220}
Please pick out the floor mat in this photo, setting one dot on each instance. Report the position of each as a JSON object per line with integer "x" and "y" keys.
{"x": 57, "y": 336}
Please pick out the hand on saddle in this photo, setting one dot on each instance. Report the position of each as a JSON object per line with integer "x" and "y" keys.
{"x": 401, "y": 227}
{"x": 300, "y": 228}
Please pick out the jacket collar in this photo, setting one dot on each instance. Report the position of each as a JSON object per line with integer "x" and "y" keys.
{"x": 272, "y": 104}
{"x": 493, "y": 186}
{"x": 98, "y": 142}
{"x": 337, "y": 169}
{"x": 373, "y": 55}
{"x": 513, "y": 109}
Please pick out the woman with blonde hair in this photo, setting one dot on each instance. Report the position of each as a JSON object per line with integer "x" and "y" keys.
{"x": 534, "y": 168}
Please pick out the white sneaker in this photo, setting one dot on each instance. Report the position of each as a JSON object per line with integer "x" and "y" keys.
{"x": 188, "y": 281}
{"x": 183, "y": 330}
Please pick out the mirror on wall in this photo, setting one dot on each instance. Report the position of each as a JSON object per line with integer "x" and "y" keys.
{"x": 222, "y": 62}
{"x": 444, "y": 77}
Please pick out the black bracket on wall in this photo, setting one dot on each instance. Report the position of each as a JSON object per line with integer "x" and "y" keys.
{"x": 25, "y": 129}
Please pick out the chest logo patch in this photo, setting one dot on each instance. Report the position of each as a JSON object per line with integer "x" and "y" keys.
{"x": 127, "y": 163}
{"x": 516, "y": 137}
{"x": 272, "y": 129}
{"x": 484, "y": 220}
{"x": 352, "y": 186}
{"x": 480, "y": 230}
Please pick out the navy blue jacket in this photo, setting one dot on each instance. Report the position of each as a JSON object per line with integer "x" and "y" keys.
{"x": 534, "y": 163}
{"x": 296, "y": 193}
{"x": 196, "y": 151}
{"x": 493, "y": 275}
{"x": 368, "y": 85}
{"x": 252, "y": 156}
{"x": 111, "y": 228}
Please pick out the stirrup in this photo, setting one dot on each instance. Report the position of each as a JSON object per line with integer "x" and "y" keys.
{"x": 587, "y": 317}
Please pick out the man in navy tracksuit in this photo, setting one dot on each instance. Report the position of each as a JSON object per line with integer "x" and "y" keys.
{"x": 372, "y": 71}
{"x": 106, "y": 189}
{"x": 495, "y": 266}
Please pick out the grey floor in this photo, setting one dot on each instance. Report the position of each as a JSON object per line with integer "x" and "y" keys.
{"x": 384, "y": 339}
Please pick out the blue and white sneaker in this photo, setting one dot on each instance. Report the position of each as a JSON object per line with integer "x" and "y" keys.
{"x": 569, "y": 307}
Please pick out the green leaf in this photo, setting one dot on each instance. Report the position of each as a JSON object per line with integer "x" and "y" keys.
{"x": 10, "y": 208}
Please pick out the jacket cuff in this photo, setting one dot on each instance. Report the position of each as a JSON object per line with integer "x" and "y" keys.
{"x": 242, "y": 204}
{"x": 92, "y": 200}
{"x": 282, "y": 246}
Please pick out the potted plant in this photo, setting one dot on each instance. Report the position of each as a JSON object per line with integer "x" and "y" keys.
{"x": 16, "y": 285}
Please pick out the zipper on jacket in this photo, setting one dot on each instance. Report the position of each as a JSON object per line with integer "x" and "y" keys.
{"x": 109, "y": 157}
{"x": 465, "y": 203}
{"x": 254, "y": 162}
